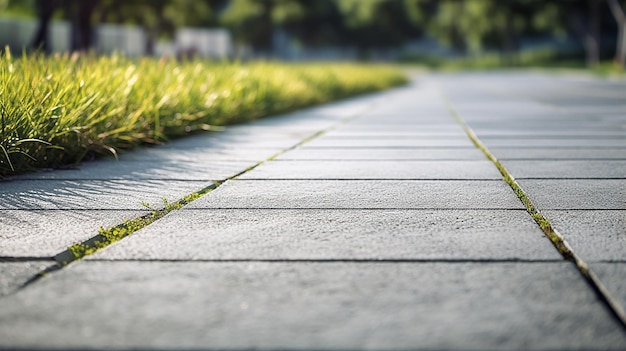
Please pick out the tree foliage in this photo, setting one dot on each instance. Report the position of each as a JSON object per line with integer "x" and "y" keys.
{"x": 467, "y": 26}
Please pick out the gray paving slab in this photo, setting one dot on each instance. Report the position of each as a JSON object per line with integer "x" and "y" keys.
{"x": 552, "y": 142}
{"x": 360, "y": 126}
{"x": 558, "y": 153}
{"x": 371, "y": 143}
{"x": 148, "y": 170}
{"x": 45, "y": 233}
{"x": 199, "y": 155}
{"x": 228, "y": 142}
{"x": 342, "y": 305}
{"x": 393, "y": 134}
{"x": 567, "y": 169}
{"x": 15, "y": 274}
{"x": 375, "y": 170}
{"x": 528, "y": 124}
{"x": 337, "y": 234}
{"x": 92, "y": 194}
{"x": 613, "y": 276}
{"x": 361, "y": 194}
{"x": 588, "y": 194}
{"x": 594, "y": 235}
{"x": 566, "y": 132}
{"x": 303, "y": 154}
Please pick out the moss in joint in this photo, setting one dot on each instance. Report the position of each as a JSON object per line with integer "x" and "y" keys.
{"x": 108, "y": 236}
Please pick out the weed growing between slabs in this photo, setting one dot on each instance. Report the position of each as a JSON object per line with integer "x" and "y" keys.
{"x": 58, "y": 110}
{"x": 108, "y": 236}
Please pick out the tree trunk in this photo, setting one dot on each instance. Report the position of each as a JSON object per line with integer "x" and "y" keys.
{"x": 45, "y": 9}
{"x": 620, "y": 18}
{"x": 510, "y": 45}
{"x": 592, "y": 37}
{"x": 80, "y": 12}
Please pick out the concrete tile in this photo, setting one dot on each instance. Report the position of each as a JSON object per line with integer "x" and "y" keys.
{"x": 594, "y": 235}
{"x": 92, "y": 194}
{"x": 394, "y": 134}
{"x": 565, "y": 132}
{"x": 384, "y": 127}
{"x": 381, "y": 194}
{"x": 239, "y": 142}
{"x": 549, "y": 143}
{"x": 388, "y": 143}
{"x": 199, "y": 155}
{"x": 563, "y": 194}
{"x": 567, "y": 169}
{"x": 382, "y": 154}
{"x": 336, "y": 234}
{"x": 613, "y": 276}
{"x": 342, "y": 305}
{"x": 15, "y": 274}
{"x": 45, "y": 233}
{"x": 147, "y": 170}
{"x": 557, "y": 153}
{"x": 375, "y": 170}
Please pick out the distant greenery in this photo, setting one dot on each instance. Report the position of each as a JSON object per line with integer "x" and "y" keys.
{"x": 58, "y": 110}
{"x": 467, "y": 27}
{"x": 547, "y": 59}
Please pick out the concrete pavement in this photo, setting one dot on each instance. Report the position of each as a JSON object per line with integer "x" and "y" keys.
{"x": 373, "y": 223}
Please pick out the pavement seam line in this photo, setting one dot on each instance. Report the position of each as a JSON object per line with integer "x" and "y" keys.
{"x": 335, "y": 260}
{"x": 106, "y": 237}
{"x": 555, "y": 237}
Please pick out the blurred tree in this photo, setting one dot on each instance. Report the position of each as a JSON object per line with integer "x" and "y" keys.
{"x": 80, "y": 14}
{"x": 160, "y": 18}
{"x": 250, "y": 22}
{"x": 312, "y": 23}
{"x": 45, "y": 10}
{"x": 618, "y": 13}
{"x": 148, "y": 14}
{"x": 20, "y": 8}
{"x": 377, "y": 23}
{"x": 464, "y": 24}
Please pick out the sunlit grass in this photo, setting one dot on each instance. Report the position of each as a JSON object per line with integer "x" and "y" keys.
{"x": 58, "y": 110}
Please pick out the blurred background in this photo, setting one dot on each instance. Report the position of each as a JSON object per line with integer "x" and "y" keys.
{"x": 430, "y": 32}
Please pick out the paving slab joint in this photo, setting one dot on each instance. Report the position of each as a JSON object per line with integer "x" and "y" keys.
{"x": 106, "y": 237}
{"x": 555, "y": 237}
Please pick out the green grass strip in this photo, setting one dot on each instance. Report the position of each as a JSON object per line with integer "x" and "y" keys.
{"x": 557, "y": 239}
{"x": 58, "y": 110}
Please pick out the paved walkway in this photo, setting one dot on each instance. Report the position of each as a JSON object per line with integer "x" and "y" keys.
{"x": 373, "y": 223}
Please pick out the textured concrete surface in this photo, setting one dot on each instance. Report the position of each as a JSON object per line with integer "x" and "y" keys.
{"x": 398, "y": 154}
{"x": 287, "y": 305}
{"x": 588, "y": 194}
{"x": 92, "y": 194}
{"x": 613, "y": 275}
{"x": 595, "y": 235}
{"x": 14, "y": 274}
{"x": 148, "y": 170}
{"x": 555, "y": 143}
{"x": 45, "y": 233}
{"x": 567, "y": 169}
{"x": 348, "y": 133}
{"x": 342, "y": 264}
{"x": 337, "y": 234}
{"x": 372, "y": 143}
{"x": 381, "y": 194}
{"x": 558, "y": 154}
{"x": 375, "y": 170}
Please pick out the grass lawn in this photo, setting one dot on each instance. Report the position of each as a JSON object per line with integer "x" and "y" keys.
{"x": 58, "y": 110}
